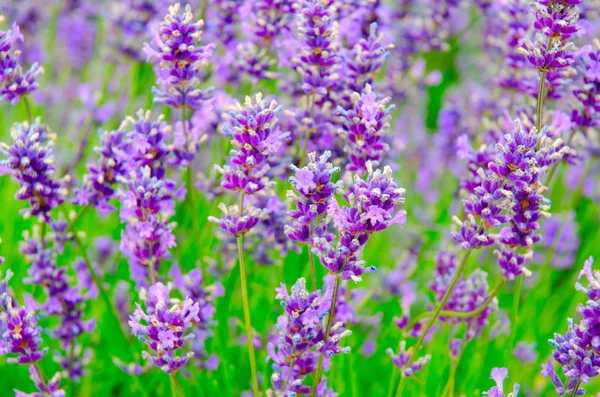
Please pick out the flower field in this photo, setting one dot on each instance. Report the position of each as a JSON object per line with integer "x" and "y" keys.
{"x": 286, "y": 198}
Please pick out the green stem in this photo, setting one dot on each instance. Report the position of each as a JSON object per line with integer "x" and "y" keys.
{"x": 151, "y": 268}
{"x": 311, "y": 259}
{"x": 317, "y": 378}
{"x": 310, "y": 102}
{"x": 41, "y": 374}
{"x": 28, "y": 109}
{"x": 177, "y": 385}
{"x": 574, "y": 392}
{"x": 476, "y": 312}
{"x": 190, "y": 181}
{"x": 246, "y": 306}
{"x": 436, "y": 313}
{"x": 77, "y": 217}
{"x": 515, "y": 311}
{"x": 540, "y": 102}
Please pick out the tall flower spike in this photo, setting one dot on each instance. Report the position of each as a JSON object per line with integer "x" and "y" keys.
{"x": 103, "y": 173}
{"x": 31, "y": 161}
{"x": 318, "y": 61}
{"x": 180, "y": 58}
{"x": 147, "y": 238}
{"x": 14, "y": 82}
{"x": 578, "y": 350}
{"x": 255, "y": 135}
{"x": 299, "y": 339}
{"x": 371, "y": 208}
{"x": 364, "y": 126}
{"x": 164, "y": 327}
{"x": 314, "y": 191}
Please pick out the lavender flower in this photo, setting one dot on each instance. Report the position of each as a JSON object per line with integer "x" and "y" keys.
{"x": 21, "y": 334}
{"x": 164, "y": 327}
{"x": 14, "y": 82}
{"x": 315, "y": 190}
{"x": 193, "y": 287}
{"x": 578, "y": 350}
{"x": 498, "y": 375}
{"x": 255, "y": 136}
{"x": 364, "y": 127}
{"x": 318, "y": 61}
{"x": 525, "y": 352}
{"x": 99, "y": 183}
{"x": 371, "y": 209}
{"x": 180, "y": 58}
{"x": 148, "y": 141}
{"x": 31, "y": 162}
{"x": 300, "y": 339}
{"x": 147, "y": 205}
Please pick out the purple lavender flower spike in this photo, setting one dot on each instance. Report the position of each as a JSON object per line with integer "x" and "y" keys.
{"x": 234, "y": 223}
{"x": 365, "y": 59}
{"x": 364, "y": 126}
{"x": 179, "y": 58}
{"x": 147, "y": 238}
{"x": 21, "y": 334}
{"x": 112, "y": 163}
{"x": 193, "y": 286}
{"x": 525, "y": 352}
{"x": 372, "y": 208}
{"x": 498, "y": 375}
{"x": 300, "y": 340}
{"x": 255, "y": 136}
{"x": 31, "y": 162}
{"x": 469, "y": 294}
{"x": 314, "y": 190}
{"x": 147, "y": 139}
{"x": 578, "y": 350}
{"x": 14, "y": 82}
{"x": 164, "y": 327}
{"x": 318, "y": 61}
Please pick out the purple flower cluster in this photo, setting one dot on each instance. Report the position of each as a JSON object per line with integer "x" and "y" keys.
{"x": 578, "y": 350}
{"x": 147, "y": 238}
{"x": 552, "y": 51}
{"x": 64, "y": 300}
{"x": 372, "y": 209}
{"x": 164, "y": 326}
{"x": 315, "y": 190}
{"x": 588, "y": 66}
{"x": 192, "y": 286}
{"x": 365, "y": 59}
{"x": 14, "y": 82}
{"x": 318, "y": 60}
{"x": 179, "y": 58}
{"x": 364, "y": 127}
{"x": 21, "y": 334}
{"x": 301, "y": 339}
{"x": 255, "y": 136}
{"x": 30, "y": 159}
{"x": 103, "y": 174}
{"x": 45, "y": 389}
{"x": 510, "y": 193}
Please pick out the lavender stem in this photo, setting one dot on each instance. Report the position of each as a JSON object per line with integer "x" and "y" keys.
{"x": 317, "y": 378}
{"x": 246, "y": 306}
